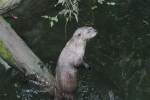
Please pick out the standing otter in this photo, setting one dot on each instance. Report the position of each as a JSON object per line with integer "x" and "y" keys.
{"x": 71, "y": 57}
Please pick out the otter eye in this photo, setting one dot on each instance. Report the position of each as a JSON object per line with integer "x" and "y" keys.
{"x": 79, "y": 34}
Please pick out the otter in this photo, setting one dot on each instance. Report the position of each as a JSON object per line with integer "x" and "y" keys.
{"x": 70, "y": 58}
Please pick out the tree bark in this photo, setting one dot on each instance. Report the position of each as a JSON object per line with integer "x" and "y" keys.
{"x": 23, "y": 57}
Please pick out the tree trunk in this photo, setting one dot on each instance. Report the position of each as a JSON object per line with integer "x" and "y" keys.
{"x": 22, "y": 56}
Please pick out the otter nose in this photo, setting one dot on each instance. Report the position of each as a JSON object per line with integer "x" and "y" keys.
{"x": 92, "y": 29}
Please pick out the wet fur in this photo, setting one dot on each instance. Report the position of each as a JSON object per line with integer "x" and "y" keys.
{"x": 71, "y": 57}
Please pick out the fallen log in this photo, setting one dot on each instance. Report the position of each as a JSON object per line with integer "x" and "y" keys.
{"x": 18, "y": 53}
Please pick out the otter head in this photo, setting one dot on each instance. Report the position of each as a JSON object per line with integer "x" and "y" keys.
{"x": 85, "y": 33}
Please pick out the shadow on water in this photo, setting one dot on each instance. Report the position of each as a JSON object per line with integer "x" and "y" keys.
{"x": 119, "y": 55}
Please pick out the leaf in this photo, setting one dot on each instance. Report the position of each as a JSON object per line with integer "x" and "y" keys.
{"x": 62, "y": 12}
{"x": 51, "y": 24}
{"x": 55, "y": 19}
{"x": 46, "y": 17}
{"x": 76, "y": 16}
{"x": 111, "y": 3}
{"x": 94, "y": 7}
{"x": 100, "y": 1}
{"x": 61, "y": 2}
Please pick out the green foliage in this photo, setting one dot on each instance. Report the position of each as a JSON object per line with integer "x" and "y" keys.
{"x": 52, "y": 20}
{"x": 100, "y": 1}
{"x": 70, "y": 10}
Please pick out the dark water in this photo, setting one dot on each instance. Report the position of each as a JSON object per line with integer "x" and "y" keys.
{"x": 119, "y": 55}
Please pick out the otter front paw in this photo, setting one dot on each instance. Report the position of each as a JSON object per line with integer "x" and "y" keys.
{"x": 86, "y": 65}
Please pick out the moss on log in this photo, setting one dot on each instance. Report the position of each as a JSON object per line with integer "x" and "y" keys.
{"x": 5, "y": 53}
